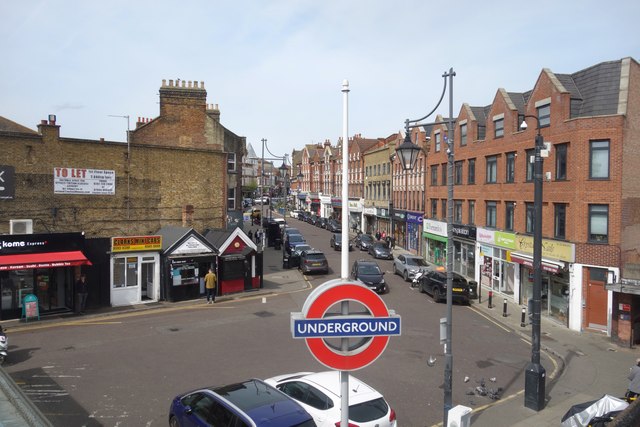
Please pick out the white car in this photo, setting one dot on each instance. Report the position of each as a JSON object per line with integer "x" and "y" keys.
{"x": 319, "y": 394}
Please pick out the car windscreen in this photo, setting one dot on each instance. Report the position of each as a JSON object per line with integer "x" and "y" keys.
{"x": 369, "y": 269}
{"x": 417, "y": 261}
{"x": 300, "y": 248}
{"x": 366, "y": 238}
{"x": 296, "y": 238}
{"x": 368, "y": 411}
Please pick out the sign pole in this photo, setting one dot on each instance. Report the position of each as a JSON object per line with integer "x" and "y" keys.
{"x": 344, "y": 268}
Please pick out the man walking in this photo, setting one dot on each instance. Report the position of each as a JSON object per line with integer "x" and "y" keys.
{"x": 210, "y": 281}
{"x": 82, "y": 292}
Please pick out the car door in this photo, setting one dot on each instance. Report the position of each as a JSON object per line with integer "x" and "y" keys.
{"x": 316, "y": 403}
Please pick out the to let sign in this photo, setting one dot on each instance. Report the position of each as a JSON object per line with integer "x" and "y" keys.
{"x": 84, "y": 181}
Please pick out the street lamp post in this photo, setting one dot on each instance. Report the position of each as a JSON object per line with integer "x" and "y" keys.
{"x": 535, "y": 375}
{"x": 448, "y": 351}
{"x": 392, "y": 158}
{"x": 300, "y": 177}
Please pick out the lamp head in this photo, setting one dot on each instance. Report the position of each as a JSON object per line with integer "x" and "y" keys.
{"x": 523, "y": 125}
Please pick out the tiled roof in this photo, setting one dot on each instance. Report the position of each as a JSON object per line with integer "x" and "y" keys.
{"x": 599, "y": 88}
{"x": 518, "y": 100}
{"x": 7, "y": 125}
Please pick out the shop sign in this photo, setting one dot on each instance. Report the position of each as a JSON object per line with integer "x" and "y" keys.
{"x": 36, "y": 243}
{"x": 30, "y": 308}
{"x": 415, "y": 218}
{"x": 485, "y": 236}
{"x": 191, "y": 246}
{"x": 438, "y": 228}
{"x": 369, "y": 211}
{"x": 315, "y": 324}
{"x": 624, "y": 307}
{"x": 136, "y": 243}
{"x": 7, "y": 182}
{"x": 84, "y": 181}
{"x": 399, "y": 215}
{"x": 336, "y": 202}
{"x": 382, "y": 213}
{"x": 355, "y": 206}
{"x": 464, "y": 231}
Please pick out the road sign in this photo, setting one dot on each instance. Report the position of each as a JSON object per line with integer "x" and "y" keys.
{"x": 372, "y": 329}
{"x": 7, "y": 182}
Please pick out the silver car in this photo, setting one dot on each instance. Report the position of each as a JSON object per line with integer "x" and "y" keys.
{"x": 408, "y": 265}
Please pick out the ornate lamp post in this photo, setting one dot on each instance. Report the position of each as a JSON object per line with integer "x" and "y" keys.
{"x": 534, "y": 385}
{"x": 392, "y": 159}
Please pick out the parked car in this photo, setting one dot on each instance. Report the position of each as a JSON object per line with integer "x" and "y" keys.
{"x": 303, "y": 215}
{"x": 435, "y": 284}
{"x": 313, "y": 261}
{"x": 293, "y": 260}
{"x": 322, "y": 222}
{"x": 380, "y": 250}
{"x": 289, "y": 230}
{"x": 408, "y": 265}
{"x": 246, "y": 202}
{"x": 312, "y": 219}
{"x": 369, "y": 273}
{"x": 295, "y": 214}
{"x": 319, "y": 394}
{"x": 363, "y": 241}
{"x": 249, "y": 403}
{"x": 292, "y": 240}
{"x": 336, "y": 242}
{"x": 334, "y": 226}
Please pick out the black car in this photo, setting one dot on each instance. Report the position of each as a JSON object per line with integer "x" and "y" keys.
{"x": 434, "y": 282}
{"x": 313, "y": 261}
{"x": 380, "y": 250}
{"x": 312, "y": 219}
{"x": 303, "y": 215}
{"x": 363, "y": 241}
{"x": 292, "y": 260}
{"x": 369, "y": 273}
{"x": 322, "y": 222}
{"x": 336, "y": 242}
{"x": 334, "y": 226}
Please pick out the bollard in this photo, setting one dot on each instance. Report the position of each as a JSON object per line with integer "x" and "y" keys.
{"x": 479, "y": 293}
{"x": 522, "y": 318}
{"x": 490, "y": 304}
{"x": 504, "y": 307}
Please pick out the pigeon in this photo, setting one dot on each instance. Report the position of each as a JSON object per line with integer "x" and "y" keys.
{"x": 466, "y": 379}
{"x": 431, "y": 361}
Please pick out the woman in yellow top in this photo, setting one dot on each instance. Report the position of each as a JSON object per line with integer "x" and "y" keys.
{"x": 210, "y": 281}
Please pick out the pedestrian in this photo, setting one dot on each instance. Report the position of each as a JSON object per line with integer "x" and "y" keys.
{"x": 210, "y": 281}
{"x": 384, "y": 235}
{"x": 250, "y": 235}
{"x": 82, "y": 292}
{"x": 378, "y": 235}
{"x": 634, "y": 380}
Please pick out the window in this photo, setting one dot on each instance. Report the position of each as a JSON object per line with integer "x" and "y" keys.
{"x": 598, "y": 223}
{"x": 471, "y": 178}
{"x": 560, "y": 221}
{"x": 530, "y": 163}
{"x": 491, "y": 214}
{"x": 434, "y": 208}
{"x": 472, "y": 211}
{"x": 463, "y": 134}
{"x": 458, "y": 174}
{"x": 511, "y": 167}
{"x": 231, "y": 199}
{"x": 544, "y": 115}
{"x": 530, "y": 214}
{"x": 231, "y": 162}
{"x": 498, "y": 126}
{"x": 125, "y": 272}
{"x": 457, "y": 212}
{"x": 561, "y": 161}
{"x": 599, "y": 160}
{"x": 434, "y": 175}
{"x": 438, "y": 141}
{"x": 510, "y": 208}
{"x": 492, "y": 169}
{"x": 443, "y": 206}
{"x": 444, "y": 173}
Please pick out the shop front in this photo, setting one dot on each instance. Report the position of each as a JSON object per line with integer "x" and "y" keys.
{"x": 369, "y": 217}
{"x": 414, "y": 231}
{"x": 135, "y": 269}
{"x": 464, "y": 250}
{"x": 400, "y": 228}
{"x": 302, "y": 201}
{"x": 45, "y": 265}
{"x": 355, "y": 214}
{"x": 239, "y": 263}
{"x": 507, "y": 268}
{"x": 185, "y": 259}
{"x": 331, "y": 207}
{"x": 314, "y": 203}
{"x": 435, "y": 235}
{"x": 382, "y": 221}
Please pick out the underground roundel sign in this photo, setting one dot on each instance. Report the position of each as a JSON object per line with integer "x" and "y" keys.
{"x": 345, "y": 324}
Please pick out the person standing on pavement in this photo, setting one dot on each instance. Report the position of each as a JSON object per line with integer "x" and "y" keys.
{"x": 378, "y": 235}
{"x": 210, "y": 281}
{"x": 634, "y": 380}
{"x": 82, "y": 292}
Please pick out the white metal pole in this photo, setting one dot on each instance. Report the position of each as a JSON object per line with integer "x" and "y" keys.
{"x": 344, "y": 270}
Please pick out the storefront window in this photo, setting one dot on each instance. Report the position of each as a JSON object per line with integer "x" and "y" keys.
{"x": 125, "y": 272}
{"x": 437, "y": 252}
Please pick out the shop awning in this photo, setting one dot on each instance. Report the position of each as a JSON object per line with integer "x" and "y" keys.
{"x": 42, "y": 260}
{"x": 547, "y": 265}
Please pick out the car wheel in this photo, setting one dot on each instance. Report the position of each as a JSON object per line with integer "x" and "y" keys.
{"x": 173, "y": 422}
{"x": 405, "y": 275}
{"x": 436, "y": 294}
{"x": 395, "y": 270}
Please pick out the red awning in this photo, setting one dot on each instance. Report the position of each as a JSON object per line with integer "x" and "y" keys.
{"x": 42, "y": 260}
{"x": 551, "y": 267}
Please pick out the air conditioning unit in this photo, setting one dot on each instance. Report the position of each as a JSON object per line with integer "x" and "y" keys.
{"x": 21, "y": 226}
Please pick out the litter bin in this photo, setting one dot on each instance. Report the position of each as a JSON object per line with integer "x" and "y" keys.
{"x": 285, "y": 261}
{"x": 473, "y": 289}
{"x": 277, "y": 244}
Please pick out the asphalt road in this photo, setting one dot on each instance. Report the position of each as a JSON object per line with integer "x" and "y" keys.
{"x": 124, "y": 371}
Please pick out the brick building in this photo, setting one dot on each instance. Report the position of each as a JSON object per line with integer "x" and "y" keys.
{"x": 179, "y": 169}
{"x": 591, "y": 195}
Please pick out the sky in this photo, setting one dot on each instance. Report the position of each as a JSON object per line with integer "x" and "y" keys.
{"x": 276, "y": 68}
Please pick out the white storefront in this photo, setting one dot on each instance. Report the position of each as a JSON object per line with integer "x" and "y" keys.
{"x": 135, "y": 269}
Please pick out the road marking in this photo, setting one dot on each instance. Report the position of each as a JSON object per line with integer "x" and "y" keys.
{"x": 489, "y": 319}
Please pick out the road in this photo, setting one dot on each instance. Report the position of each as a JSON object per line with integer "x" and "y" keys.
{"x": 123, "y": 370}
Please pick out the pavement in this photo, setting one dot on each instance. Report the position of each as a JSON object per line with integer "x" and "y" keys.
{"x": 580, "y": 366}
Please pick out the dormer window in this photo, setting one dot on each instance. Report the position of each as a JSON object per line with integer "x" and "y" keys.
{"x": 498, "y": 126}
{"x": 544, "y": 115}
{"x": 438, "y": 142}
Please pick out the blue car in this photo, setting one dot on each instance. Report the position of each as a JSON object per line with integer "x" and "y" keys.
{"x": 250, "y": 403}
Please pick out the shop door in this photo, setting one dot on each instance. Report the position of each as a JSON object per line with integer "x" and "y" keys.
{"x": 147, "y": 285}
{"x": 497, "y": 275}
{"x": 597, "y": 298}
{"x": 247, "y": 274}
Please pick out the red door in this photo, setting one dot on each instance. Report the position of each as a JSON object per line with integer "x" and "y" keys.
{"x": 597, "y": 298}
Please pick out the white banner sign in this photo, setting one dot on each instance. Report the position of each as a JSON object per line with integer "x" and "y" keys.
{"x": 84, "y": 181}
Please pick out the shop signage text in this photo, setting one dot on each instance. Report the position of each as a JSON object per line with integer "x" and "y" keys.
{"x": 552, "y": 249}
{"x": 136, "y": 243}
